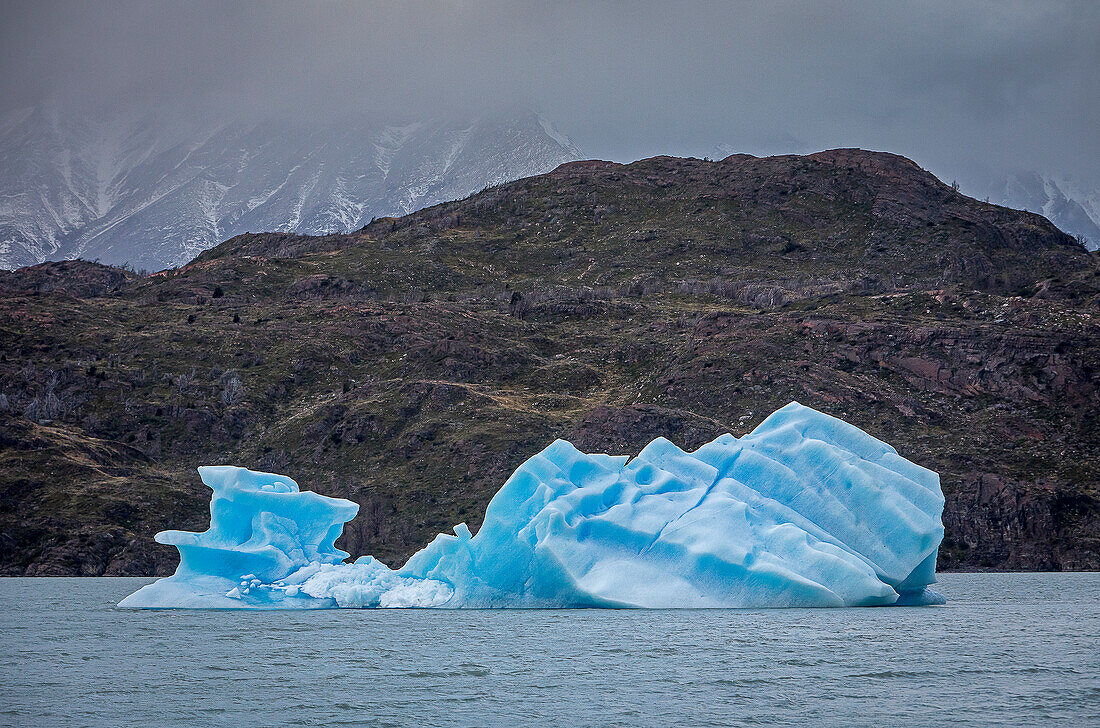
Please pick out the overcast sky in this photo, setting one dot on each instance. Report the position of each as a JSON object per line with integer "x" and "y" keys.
{"x": 954, "y": 85}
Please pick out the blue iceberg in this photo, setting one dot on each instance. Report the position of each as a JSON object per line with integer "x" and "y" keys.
{"x": 805, "y": 511}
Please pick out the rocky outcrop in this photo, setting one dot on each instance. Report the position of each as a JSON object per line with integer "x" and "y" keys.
{"x": 996, "y": 524}
{"x": 77, "y": 278}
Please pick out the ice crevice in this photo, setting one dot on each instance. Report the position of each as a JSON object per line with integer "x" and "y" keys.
{"x": 804, "y": 511}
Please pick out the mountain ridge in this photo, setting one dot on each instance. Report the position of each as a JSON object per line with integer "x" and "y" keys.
{"x": 154, "y": 189}
{"x": 135, "y": 190}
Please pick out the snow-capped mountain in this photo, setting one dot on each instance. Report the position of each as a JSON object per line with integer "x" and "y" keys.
{"x": 1072, "y": 206}
{"x": 133, "y": 189}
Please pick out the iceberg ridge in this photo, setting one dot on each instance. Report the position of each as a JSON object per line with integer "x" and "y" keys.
{"x": 804, "y": 511}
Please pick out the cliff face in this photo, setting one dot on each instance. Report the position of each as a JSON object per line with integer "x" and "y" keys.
{"x": 999, "y": 524}
{"x": 412, "y": 365}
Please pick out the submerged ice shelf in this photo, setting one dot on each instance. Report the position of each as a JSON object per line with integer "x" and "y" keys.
{"x": 805, "y": 511}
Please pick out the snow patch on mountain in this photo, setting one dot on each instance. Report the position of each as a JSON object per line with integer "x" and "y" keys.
{"x": 152, "y": 193}
{"x": 1072, "y": 205}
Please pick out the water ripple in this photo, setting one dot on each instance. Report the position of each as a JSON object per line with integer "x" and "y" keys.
{"x": 75, "y": 661}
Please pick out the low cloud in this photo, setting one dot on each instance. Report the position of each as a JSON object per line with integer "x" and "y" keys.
{"x": 957, "y": 86}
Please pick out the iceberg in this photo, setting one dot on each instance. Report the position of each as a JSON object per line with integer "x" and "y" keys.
{"x": 804, "y": 511}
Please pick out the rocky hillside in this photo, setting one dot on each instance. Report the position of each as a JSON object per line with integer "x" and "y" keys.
{"x": 411, "y": 365}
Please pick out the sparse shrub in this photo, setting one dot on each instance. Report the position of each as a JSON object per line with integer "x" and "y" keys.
{"x": 184, "y": 381}
{"x": 233, "y": 390}
{"x": 50, "y": 405}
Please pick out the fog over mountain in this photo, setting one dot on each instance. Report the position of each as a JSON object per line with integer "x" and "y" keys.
{"x": 1000, "y": 96}
{"x": 152, "y": 192}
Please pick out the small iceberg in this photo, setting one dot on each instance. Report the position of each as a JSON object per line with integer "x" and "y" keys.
{"x": 805, "y": 511}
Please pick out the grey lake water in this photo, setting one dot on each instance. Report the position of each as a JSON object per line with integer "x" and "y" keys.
{"x": 1007, "y": 650}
